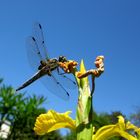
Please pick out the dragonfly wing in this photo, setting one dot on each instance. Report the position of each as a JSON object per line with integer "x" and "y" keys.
{"x": 54, "y": 86}
{"x": 33, "y": 53}
{"x": 39, "y": 36}
{"x": 67, "y": 80}
{"x": 35, "y": 47}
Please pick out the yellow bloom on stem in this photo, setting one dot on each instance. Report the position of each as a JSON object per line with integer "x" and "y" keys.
{"x": 83, "y": 125}
{"x": 52, "y": 120}
{"x": 130, "y": 126}
{"x": 119, "y": 129}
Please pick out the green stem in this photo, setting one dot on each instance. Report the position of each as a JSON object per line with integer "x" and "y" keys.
{"x": 84, "y": 127}
{"x": 84, "y": 117}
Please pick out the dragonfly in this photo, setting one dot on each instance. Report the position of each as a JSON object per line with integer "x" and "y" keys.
{"x": 47, "y": 69}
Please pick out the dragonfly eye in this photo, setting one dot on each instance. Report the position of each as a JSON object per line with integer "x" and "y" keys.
{"x": 62, "y": 59}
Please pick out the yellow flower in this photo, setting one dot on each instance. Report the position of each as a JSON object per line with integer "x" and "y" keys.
{"x": 52, "y": 120}
{"x": 119, "y": 129}
{"x": 133, "y": 127}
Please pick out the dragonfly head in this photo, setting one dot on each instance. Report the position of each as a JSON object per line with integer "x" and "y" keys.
{"x": 62, "y": 59}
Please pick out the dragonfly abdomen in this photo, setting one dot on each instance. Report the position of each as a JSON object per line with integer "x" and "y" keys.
{"x": 38, "y": 75}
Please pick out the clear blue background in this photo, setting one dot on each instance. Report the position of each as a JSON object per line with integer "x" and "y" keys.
{"x": 79, "y": 30}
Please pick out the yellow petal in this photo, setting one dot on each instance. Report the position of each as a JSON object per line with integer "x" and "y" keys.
{"x": 121, "y": 122}
{"x": 130, "y": 126}
{"x": 52, "y": 120}
{"x": 82, "y": 67}
{"x": 83, "y": 81}
{"x": 109, "y": 131}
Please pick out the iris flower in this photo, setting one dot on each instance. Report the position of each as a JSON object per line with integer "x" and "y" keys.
{"x": 52, "y": 120}
{"x": 83, "y": 125}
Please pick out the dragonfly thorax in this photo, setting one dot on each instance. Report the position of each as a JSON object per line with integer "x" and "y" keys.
{"x": 42, "y": 64}
{"x": 50, "y": 64}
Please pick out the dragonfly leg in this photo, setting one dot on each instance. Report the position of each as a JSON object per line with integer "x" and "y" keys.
{"x": 64, "y": 76}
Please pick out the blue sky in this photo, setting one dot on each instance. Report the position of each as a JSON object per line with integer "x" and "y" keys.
{"x": 79, "y": 30}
